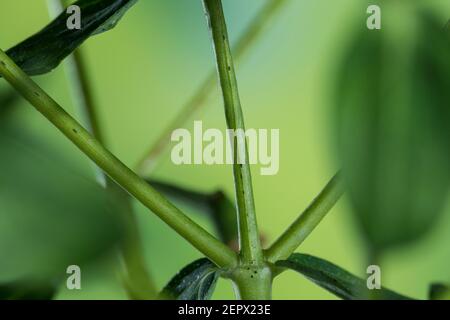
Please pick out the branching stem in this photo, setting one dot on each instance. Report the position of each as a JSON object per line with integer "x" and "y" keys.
{"x": 289, "y": 241}
{"x": 114, "y": 168}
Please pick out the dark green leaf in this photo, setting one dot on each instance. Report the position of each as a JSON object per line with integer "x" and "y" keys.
{"x": 217, "y": 206}
{"x": 196, "y": 281}
{"x": 439, "y": 291}
{"x": 45, "y": 50}
{"x": 393, "y": 113}
{"x": 51, "y": 217}
{"x": 27, "y": 290}
{"x": 335, "y": 279}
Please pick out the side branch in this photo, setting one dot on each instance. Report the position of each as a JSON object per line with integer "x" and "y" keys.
{"x": 114, "y": 168}
{"x": 289, "y": 241}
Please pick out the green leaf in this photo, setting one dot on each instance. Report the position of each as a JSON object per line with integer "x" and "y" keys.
{"x": 27, "y": 290}
{"x": 45, "y": 50}
{"x": 439, "y": 291}
{"x": 335, "y": 279}
{"x": 196, "y": 281}
{"x": 217, "y": 206}
{"x": 51, "y": 216}
{"x": 392, "y": 112}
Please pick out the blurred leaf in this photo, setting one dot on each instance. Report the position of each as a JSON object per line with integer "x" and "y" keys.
{"x": 44, "y": 51}
{"x": 50, "y": 216}
{"x": 217, "y": 206}
{"x": 25, "y": 290}
{"x": 196, "y": 281}
{"x": 439, "y": 291}
{"x": 393, "y": 120}
{"x": 335, "y": 279}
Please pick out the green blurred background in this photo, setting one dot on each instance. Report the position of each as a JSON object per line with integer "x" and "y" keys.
{"x": 144, "y": 70}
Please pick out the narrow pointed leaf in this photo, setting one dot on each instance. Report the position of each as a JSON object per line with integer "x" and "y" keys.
{"x": 196, "y": 281}
{"x": 335, "y": 279}
{"x": 439, "y": 291}
{"x": 26, "y": 290}
{"x": 45, "y": 50}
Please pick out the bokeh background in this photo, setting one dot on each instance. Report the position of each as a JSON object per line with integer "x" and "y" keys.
{"x": 144, "y": 70}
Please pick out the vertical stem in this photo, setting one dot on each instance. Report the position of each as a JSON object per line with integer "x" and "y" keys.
{"x": 253, "y": 283}
{"x": 218, "y": 252}
{"x": 198, "y": 100}
{"x": 82, "y": 97}
{"x": 80, "y": 89}
{"x": 137, "y": 280}
{"x": 251, "y": 252}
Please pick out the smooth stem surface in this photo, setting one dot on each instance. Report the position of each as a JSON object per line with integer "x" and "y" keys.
{"x": 289, "y": 241}
{"x": 80, "y": 89}
{"x": 199, "y": 99}
{"x": 253, "y": 283}
{"x": 251, "y": 252}
{"x": 137, "y": 280}
{"x": 114, "y": 168}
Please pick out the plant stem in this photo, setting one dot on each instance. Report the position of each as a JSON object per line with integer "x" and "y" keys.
{"x": 251, "y": 252}
{"x": 137, "y": 280}
{"x": 139, "y": 285}
{"x": 252, "y": 283}
{"x": 114, "y": 168}
{"x": 289, "y": 241}
{"x": 80, "y": 89}
{"x": 198, "y": 100}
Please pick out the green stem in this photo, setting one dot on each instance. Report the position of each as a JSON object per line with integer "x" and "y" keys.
{"x": 138, "y": 283}
{"x": 137, "y": 280}
{"x": 251, "y": 252}
{"x": 252, "y": 283}
{"x": 80, "y": 89}
{"x": 198, "y": 100}
{"x": 289, "y": 241}
{"x": 114, "y": 168}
